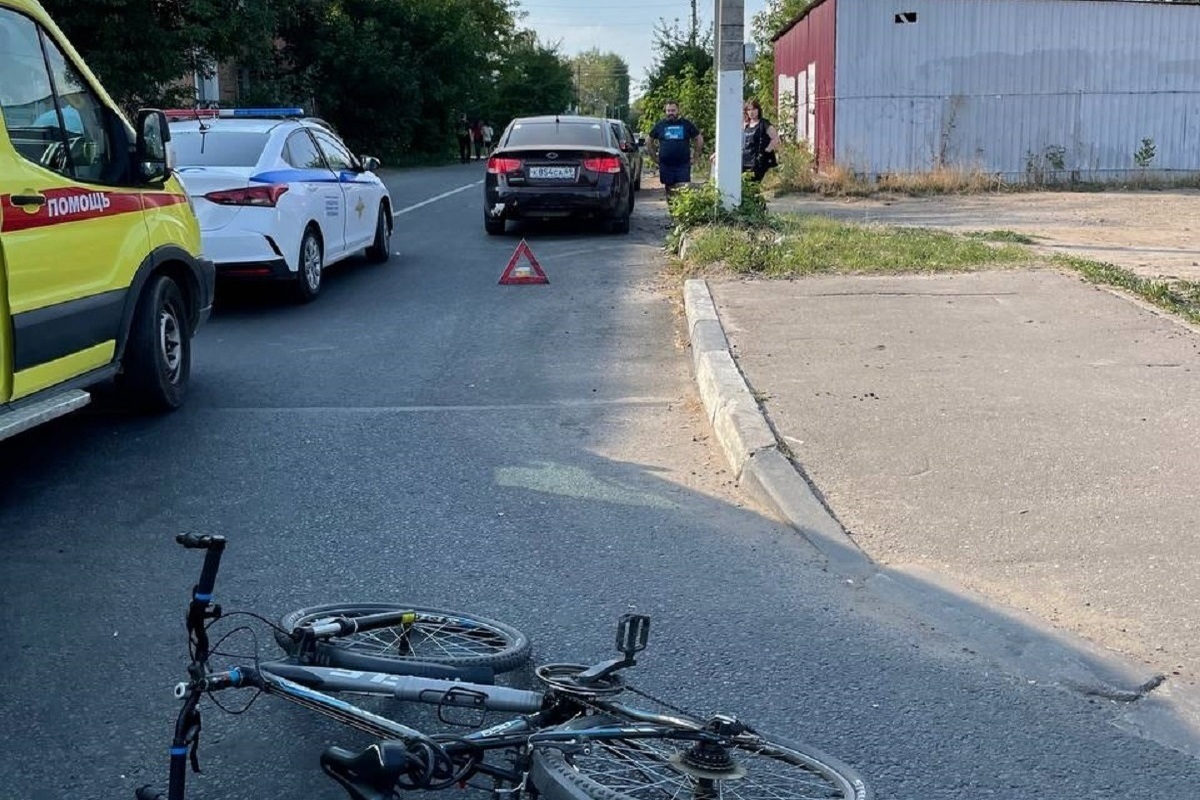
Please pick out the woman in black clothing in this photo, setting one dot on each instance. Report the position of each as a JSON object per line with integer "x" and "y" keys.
{"x": 760, "y": 141}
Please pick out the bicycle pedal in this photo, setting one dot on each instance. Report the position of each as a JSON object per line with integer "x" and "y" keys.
{"x": 633, "y": 631}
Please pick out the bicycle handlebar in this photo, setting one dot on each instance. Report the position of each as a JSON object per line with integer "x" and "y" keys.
{"x": 194, "y": 541}
{"x": 348, "y": 626}
{"x": 235, "y": 678}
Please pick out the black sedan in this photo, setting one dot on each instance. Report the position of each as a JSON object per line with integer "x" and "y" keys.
{"x": 556, "y": 167}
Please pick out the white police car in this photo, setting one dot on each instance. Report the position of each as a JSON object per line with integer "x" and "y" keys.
{"x": 278, "y": 196}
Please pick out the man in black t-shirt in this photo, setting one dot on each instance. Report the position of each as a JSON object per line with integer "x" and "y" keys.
{"x": 671, "y": 145}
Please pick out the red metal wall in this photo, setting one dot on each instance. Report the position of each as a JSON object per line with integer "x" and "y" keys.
{"x": 813, "y": 40}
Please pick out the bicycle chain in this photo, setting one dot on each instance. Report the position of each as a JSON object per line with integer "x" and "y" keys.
{"x": 646, "y": 695}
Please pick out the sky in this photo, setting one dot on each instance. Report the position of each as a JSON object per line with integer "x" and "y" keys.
{"x": 624, "y": 27}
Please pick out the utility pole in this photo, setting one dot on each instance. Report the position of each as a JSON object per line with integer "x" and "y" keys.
{"x": 694, "y": 33}
{"x": 730, "y": 63}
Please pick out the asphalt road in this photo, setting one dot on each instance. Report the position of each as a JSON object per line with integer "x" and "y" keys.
{"x": 531, "y": 453}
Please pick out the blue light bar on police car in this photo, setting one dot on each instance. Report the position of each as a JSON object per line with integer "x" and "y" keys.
{"x": 261, "y": 112}
{"x": 175, "y": 114}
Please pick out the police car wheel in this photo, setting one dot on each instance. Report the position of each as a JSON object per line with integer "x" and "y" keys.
{"x": 312, "y": 267}
{"x": 158, "y": 354}
{"x": 381, "y": 249}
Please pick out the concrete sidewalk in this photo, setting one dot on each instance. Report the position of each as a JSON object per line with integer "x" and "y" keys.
{"x": 1023, "y": 434}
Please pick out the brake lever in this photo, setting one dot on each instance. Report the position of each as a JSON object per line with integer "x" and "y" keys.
{"x": 200, "y": 612}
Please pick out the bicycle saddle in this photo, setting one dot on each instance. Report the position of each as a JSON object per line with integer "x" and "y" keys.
{"x": 371, "y": 774}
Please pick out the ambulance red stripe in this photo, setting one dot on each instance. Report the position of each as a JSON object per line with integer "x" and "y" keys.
{"x": 78, "y": 205}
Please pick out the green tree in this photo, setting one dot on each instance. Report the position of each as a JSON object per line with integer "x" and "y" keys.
{"x": 534, "y": 79}
{"x": 601, "y": 83}
{"x": 141, "y": 49}
{"x": 675, "y": 48}
{"x": 393, "y": 74}
{"x": 682, "y": 71}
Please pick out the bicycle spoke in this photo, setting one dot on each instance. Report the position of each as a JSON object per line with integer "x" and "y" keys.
{"x": 429, "y": 637}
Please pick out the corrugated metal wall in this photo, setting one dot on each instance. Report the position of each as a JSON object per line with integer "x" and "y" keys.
{"x": 1014, "y": 86}
{"x": 805, "y": 69}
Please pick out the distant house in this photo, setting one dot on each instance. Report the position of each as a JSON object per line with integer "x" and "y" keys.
{"x": 223, "y": 87}
{"x": 1010, "y": 87}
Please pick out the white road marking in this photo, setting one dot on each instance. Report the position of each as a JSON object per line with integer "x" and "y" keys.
{"x": 467, "y": 408}
{"x": 441, "y": 196}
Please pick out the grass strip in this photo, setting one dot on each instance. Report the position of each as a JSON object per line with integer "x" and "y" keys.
{"x": 1178, "y": 296}
{"x": 805, "y": 245}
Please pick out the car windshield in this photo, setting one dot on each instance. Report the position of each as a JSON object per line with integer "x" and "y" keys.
{"x": 587, "y": 134}
{"x": 218, "y": 149}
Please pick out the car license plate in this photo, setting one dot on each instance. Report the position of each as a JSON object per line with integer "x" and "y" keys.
{"x": 552, "y": 173}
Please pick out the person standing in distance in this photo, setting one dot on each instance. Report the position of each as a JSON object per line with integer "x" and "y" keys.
{"x": 488, "y": 133}
{"x": 462, "y": 129}
{"x": 671, "y": 145}
{"x": 760, "y": 141}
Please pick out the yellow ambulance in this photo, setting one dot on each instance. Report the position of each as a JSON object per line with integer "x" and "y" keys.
{"x": 101, "y": 271}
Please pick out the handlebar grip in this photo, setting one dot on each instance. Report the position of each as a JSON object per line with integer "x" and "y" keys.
{"x": 339, "y": 627}
{"x": 195, "y": 541}
{"x": 150, "y": 793}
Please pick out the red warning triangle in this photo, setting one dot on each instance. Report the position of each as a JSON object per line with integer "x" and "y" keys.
{"x": 523, "y": 273}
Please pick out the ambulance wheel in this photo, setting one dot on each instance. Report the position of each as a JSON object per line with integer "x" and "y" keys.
{"x": 494, "y": 226}
{"x": 312, "y": 267}
{"x": 381, "y": 249}
{"x": 158, "y": 355}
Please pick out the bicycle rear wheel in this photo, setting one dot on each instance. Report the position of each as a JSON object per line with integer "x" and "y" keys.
{"x": 661, "y": 767}
{"x": 436, "y": 636}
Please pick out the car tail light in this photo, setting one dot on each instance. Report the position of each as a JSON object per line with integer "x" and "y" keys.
{"x": 503, "y": 166}
{"x": 603, "y": 164}
{"x": 250, "y": 196}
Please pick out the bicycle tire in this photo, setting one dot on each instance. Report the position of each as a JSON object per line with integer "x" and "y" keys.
{"x": 452, "y": 638}
{"x": 639, "y": 768}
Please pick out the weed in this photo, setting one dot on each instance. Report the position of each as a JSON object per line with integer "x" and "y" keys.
{"x": 1011, "y": 237}
{"x": 1144, "y": 156}
{"x": 1043, "y": 168}
{"x": 1180, "y": 297}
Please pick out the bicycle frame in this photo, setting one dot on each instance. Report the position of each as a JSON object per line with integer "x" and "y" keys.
{"x": 535, "y": 729}
{"x": 431, "y": 691}
{"x": 307, "y": 686}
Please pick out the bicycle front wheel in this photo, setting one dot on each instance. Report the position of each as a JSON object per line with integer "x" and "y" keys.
{"x": 453, "y": 638}
{"x": 665, "y": 766}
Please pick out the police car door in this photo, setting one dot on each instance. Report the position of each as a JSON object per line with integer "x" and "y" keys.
{"x": 362, "y": 206}
{"x": 321, "y": 195}
{"x": 71, "y": 234}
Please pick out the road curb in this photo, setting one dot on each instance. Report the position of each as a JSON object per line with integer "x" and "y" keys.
{"x": 749, "y": 442}
{"x": 1020, "y": 643}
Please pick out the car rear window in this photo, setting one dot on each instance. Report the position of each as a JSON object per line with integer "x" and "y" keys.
{"x": 218, "y": 149}
{"x": 557, "y": 133}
